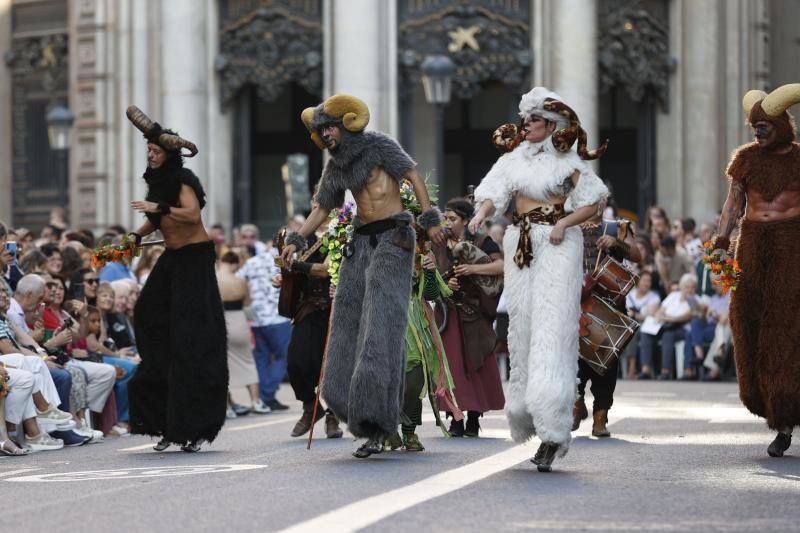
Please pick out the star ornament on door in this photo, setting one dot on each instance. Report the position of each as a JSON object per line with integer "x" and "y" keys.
{"x": 463, "y": 37}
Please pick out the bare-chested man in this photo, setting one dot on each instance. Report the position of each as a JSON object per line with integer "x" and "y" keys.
{"x": 366, "y": 349}
{"x": 765, "y": 316}
{"x": 179, "y": 392}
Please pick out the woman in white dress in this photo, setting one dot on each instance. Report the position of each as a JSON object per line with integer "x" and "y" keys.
{"x": 555, "y": 190}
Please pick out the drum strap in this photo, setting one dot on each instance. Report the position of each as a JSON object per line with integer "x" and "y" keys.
{"x": 546, "y": 215}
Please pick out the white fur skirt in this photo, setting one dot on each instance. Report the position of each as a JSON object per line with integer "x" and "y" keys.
{"x": 544, "y": 308}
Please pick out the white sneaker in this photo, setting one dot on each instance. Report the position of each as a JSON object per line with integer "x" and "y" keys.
{"x": 53, "y": 414}
{"x": 96, "y": 436}
{"x": 261, "y": 408}
{"x": 44, "y": 442}
{"x": 119, "y": 431}
{"x": 230, "y": 414}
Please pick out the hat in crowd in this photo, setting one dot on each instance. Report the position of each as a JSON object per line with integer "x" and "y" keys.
{"x": 156, "y": 134}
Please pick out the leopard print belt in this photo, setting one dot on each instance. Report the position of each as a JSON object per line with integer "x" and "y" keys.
{"x": 545, "y": 215}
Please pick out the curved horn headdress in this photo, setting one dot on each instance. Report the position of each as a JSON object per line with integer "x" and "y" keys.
{"x": 781, "y": 99}
{"x": 348, "y": 111}
{"x": 155, "y": 133}
{"x": 564, "y": 138}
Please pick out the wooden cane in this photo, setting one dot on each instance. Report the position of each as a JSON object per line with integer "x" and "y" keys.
{"x": 599, "y": 251}
{"x": 319, "y": 381}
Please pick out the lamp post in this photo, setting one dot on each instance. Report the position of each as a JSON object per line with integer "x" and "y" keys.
{"x": 437, "y": 76}
{"x": 59, "y": 133}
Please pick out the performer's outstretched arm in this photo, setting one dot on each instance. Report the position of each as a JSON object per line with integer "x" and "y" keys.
{"x": 732, "y": 210}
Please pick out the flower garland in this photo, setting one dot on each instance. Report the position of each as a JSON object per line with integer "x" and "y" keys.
{"x": 340, "y": 230}
{"x": 409, "y": 198}
{"x": 727, "y": 268}
{"x": 114, "y": 253}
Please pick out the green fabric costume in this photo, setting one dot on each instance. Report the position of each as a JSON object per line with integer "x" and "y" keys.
{"x": 427, "y": 372}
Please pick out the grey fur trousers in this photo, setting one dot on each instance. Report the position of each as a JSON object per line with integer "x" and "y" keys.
{"x": 365, "y": 368}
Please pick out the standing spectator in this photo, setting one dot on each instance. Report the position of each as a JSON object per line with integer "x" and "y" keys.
{"x": 147, "y": 261}
{"x": 33, "y": 262}
{"x": 671, "y": 263}
{"x": 691, "y": 242}
{"x": 271, "y": 330}
{"x": 653, "y": 213}
{"x": 673, "y": 314}
{"x": 250, "y": 237}
{"x": 241, "y": 365}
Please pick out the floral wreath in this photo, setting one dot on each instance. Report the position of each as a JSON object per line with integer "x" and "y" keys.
{"x": 114, "y": 253}
{"x": 722, "y": 265}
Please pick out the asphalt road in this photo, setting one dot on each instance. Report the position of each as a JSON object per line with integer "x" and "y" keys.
{"x": 682, "y": 457}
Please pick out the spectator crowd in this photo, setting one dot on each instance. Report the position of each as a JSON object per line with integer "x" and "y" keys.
{"x": 68, "y": 344}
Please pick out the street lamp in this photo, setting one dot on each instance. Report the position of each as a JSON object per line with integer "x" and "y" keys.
{"x": 437, "y": 76}
{"x": 59, "y": 127}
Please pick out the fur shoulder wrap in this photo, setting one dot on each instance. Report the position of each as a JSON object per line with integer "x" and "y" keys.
{"x": 350, "y": 166}
{"x": 741, "y": 161}
{"x": 430, "y": 218}
{"x": 538, "y": 171}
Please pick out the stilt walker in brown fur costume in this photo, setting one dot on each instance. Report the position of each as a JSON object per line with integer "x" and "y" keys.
{"x": 765, "y": 309}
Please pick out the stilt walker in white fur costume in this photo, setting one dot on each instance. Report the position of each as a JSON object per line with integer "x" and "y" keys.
{"x": 555, "y": 190}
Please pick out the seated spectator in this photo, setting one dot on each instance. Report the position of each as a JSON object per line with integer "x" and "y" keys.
{"x": 640, "y": 303}
{"x": 249, "y": 236}
{"x": 97, "y": 340}
{"x": 18, "y": 414}
{"x": 703, "y": 329}
{"x": 671, "y": 263}
{"x": 673, "y": 315}
{"x": 54, "y": 260}
{"x": 99, "y": 377}
{"x": 9, "y": 263}
{"x": 33, "y": 262}
{"x": 118, "y": 325}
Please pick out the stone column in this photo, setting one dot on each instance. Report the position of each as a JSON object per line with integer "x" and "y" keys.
{"x": 703, "y": 109}
{"x": 572, "y": 61}
{"x": 363, "y": 41}
{"x": 5, "y": 115}
{"x": 184, "y": 71}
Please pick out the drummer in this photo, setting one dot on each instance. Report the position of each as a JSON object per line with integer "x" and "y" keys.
{"x": 616, "y": 238}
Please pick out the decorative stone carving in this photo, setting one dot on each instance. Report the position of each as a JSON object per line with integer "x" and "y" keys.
{"x": 269, "y": 47}
{"x": 633, "y": 40}
{"x": 488, "y": 40}
{"x": 40, "y": 56}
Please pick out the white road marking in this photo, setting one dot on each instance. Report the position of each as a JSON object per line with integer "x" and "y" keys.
{"x": 134, "y": 473}
{"x": 137, "y": 448}
{"x": 371, "y": 510}
{"x": 19, "y": 471}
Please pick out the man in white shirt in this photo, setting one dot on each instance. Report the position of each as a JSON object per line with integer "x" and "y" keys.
{"x": 272, "y": 331}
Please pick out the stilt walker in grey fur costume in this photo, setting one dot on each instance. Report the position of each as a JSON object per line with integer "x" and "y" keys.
{"x": 365, "y": 367}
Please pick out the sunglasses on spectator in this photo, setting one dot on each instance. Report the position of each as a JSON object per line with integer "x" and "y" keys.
{"x": 92, "y": 281}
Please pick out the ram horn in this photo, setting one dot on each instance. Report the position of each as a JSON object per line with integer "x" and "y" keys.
{"x": 781, "y": 99}
{"x": 750, "y": 100}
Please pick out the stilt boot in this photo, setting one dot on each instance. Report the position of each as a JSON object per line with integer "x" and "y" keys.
{"x": 393, "y": 442}
{"x": 779, "y": 445}
{"x": 579, "y": 413}
{"x": 473, "y": 425}
{"x": 545, "y": 456}
{"x": 162, "y": 445}
{"x": 456, "y": 428}
{"x": 374, "y": 445}
{"x": 599, "y": 428}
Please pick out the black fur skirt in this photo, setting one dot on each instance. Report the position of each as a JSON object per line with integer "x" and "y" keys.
{"x": 179, "y": 391}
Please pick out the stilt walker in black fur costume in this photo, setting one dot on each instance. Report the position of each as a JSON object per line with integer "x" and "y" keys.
{"x": 365, "y": 367}
{"x": 179, "y": 392}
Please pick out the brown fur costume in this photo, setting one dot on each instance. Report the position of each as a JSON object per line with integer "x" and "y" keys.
{"x": 765, "y": 318}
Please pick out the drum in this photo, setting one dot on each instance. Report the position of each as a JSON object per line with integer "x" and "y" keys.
{"x": 613, "y": 281}
{"x": 604, "y": 333}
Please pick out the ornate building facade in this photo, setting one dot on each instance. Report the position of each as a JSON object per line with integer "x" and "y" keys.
{"x": 662, "y": 78}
